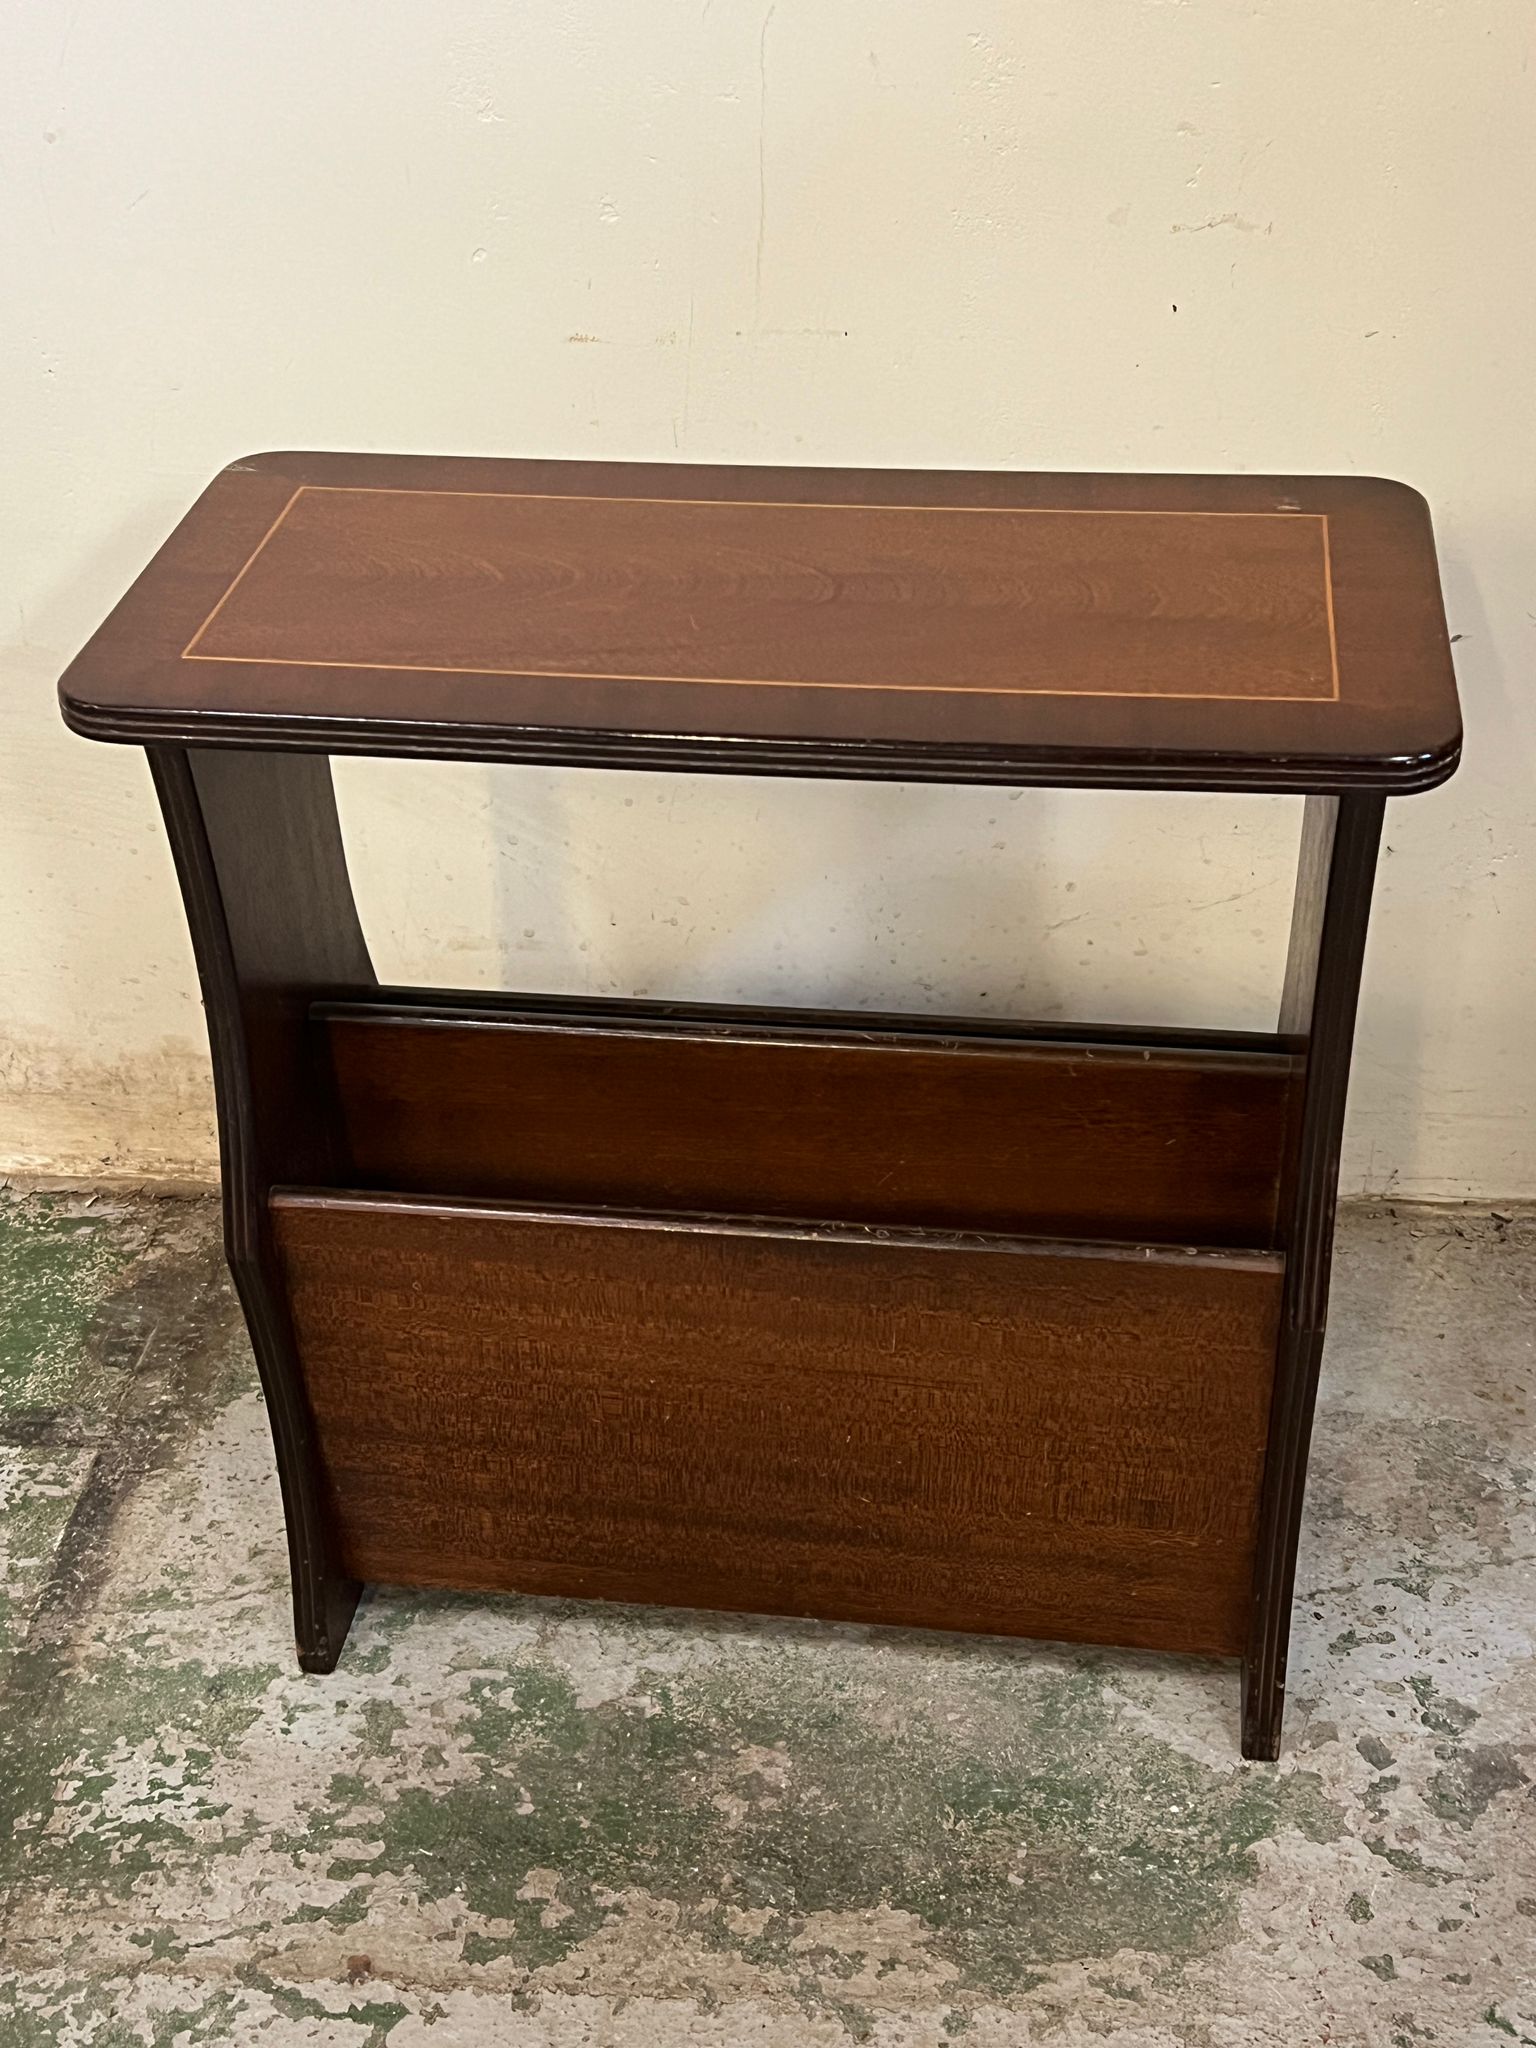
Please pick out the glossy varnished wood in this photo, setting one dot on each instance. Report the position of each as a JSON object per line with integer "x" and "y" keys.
{"x": 775, "y": 594}
{"x": 264, "y": 878}
{"x": 1139, "y": 1143}
{"x": 1263, "y": 633}
{"x": 962, "y": 1433}
{"x": 882, "y": 1415}
{"x": 664, "y": 1013}
{"x": 1341, "y": 838}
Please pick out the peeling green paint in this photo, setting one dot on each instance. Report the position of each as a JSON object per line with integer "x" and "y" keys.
{"x": 499, "y": 1811}
{"x": 126, "y": 1718}
{"x": 1467, "y": 1787}
{"x": 1439, "y": 1713}
{"x": 1355, "y": 1639}
{"x": 1408, "y": 1862}
{"x": 59, "y": 1259}
{"x": 1011, "y": 1856}
{"x": 38, "y": 1491}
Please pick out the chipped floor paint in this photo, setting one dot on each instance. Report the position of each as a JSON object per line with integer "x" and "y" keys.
{"x": 531, "y": 1822}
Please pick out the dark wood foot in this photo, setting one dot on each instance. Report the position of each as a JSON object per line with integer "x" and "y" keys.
{"x": 258, "y": 852}
{"x": 321, "y": 1621}
{"x": 1263, "y": 1713}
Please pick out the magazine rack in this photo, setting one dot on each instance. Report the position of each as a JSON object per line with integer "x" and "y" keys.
{"x": 948, "y": 1322}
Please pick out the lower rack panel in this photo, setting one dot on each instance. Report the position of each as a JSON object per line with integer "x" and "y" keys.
{"x": 987, "y": 1433}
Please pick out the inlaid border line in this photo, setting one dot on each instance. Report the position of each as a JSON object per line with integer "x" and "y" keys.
{"x": 189, "y": 652}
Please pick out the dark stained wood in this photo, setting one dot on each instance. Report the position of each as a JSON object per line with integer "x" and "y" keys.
{"x": 882, "y": 1414}
{"x": 869, "y": 1127}
{"x": 1221, "y": 632}
{"x": 1340, "y": 841}
{"x": 662, "y": 1013}
{"x": 1008, "y": 601}
{"x": 263, "y": 874}
{"x": 966, "y": 1433}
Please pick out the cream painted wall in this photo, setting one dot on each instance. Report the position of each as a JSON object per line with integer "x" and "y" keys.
{"x": 1178, "y": 234}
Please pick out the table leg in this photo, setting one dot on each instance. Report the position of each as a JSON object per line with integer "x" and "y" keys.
{"x": 263, "y": 874}
{"x": 1340, "y": 840}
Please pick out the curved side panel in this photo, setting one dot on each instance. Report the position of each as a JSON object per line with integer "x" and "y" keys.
{"x": 259, "y": 856}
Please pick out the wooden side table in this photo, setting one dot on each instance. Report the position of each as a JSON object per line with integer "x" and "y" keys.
{"x": 951, "y": 1322}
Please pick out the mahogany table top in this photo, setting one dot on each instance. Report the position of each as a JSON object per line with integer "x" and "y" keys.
{"x": 1224, "y": 632}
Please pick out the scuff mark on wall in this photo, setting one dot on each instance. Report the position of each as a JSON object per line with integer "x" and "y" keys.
{"x": 67, "y": 1115}
{"x": 1222, "y": 220}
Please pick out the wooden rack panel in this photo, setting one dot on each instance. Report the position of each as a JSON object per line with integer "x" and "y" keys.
{"x": 990, "y": 1434}
{"x": 1147, "y": 1143}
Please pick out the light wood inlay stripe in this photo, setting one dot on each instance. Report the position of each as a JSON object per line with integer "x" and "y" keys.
{"x": 1051, "y": 605}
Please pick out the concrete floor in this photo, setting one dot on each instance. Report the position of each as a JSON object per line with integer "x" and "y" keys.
{"x": 521, "y": 1822}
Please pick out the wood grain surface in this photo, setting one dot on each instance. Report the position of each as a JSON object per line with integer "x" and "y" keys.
{"x": 1127, "y": 1142}
{"x": 257, "y": 846}
{"x": 963, "y": 1433}
{"x": 767, "y": 594}
{"x": 1229, "y": 632}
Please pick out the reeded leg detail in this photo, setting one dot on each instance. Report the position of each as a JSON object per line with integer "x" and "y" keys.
{"x": 1340, "y": 839}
